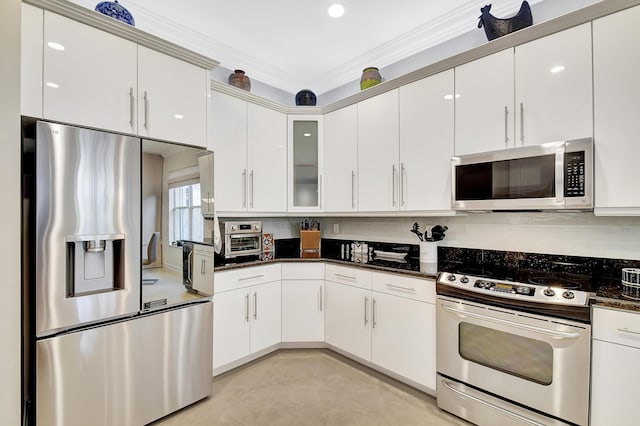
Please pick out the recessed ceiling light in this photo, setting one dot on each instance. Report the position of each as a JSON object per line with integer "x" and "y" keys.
{"x": 557, "y": 69}
{"x": 55, "y": 46}
{"x": 307, "y": 134}
{"x": 179, "y": 116}
{"x": 336, "y": 10}
{"x": 52, "y": 85}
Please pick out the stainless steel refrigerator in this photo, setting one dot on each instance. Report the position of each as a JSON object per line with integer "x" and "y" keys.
{"x": 91, "y": 356}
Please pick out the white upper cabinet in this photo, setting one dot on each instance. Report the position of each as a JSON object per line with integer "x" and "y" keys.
{"x": 172, "y": 99}
{"x": 616, "y": 125}
{"x": 267, "y": 160}
{"x": 553, "y": 87}
{"x": 426, "y": 143}
{"x": 378, "y": 162}
{"x": 31, "y": 61}
{"x": 90, "y": 76}
{"x": 535, "y": 93}
{"x": 305, "y": 140}
{"x": 341, "y": 160}
{"x": 484, "y": 112}
{"x": 228, "y": 140}
{"x": 249, "y": 142}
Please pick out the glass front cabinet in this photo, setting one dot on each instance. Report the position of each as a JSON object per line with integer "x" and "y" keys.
{"x": 305, "y": 163}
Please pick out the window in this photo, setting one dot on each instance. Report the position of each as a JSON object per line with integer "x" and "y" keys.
{"x": 185, "y": 219}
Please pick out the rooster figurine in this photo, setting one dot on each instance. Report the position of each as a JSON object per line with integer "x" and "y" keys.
{"x": 497, "y": 27}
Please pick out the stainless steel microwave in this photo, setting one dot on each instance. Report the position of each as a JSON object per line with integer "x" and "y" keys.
{"x": 551, "y": 176}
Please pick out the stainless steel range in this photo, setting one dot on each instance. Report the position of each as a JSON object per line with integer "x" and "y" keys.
{"x": 513, "y": 352}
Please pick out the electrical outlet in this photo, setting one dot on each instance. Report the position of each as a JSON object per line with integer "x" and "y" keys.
{"x": 336, "y": 228}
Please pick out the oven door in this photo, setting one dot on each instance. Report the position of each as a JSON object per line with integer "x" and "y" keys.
{"x": 242, "y": 245}
{"x": 540, "y": 362}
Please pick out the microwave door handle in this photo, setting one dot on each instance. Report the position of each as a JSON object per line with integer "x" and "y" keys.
{"x": 559, "y": 172}
{"x": 190, "y": 266}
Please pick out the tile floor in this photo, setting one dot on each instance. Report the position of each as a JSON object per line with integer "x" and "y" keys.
{"x": 310, "y": 387}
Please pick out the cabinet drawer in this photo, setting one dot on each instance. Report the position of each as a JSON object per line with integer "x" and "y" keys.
{"x": 412, "y": 288}
{"x": 352, "y": 276}
{"x": 245, "y": 277}
{"x": 303, "y": 271}
{"x": 616, "y": 326}
{"x": 203, "y": 249}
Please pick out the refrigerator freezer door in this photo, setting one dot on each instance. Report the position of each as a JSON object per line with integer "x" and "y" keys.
{"x": 126, "y": 373}
{"x": 87, "y": 226}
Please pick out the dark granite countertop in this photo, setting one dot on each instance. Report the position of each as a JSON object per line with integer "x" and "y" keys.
{"x": 611, "y": 297}
{"x": 373, "y": 267}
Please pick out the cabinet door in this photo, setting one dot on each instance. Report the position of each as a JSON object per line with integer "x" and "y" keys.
{"x": 266, "y": 315}
{"x": 172, "y": 99}
{"x": 614, "y": 381}
{"x": 348, "y": 319}
{"x": 228, "y": 135}
{"x": 484, "y": 104}
{"x": 267, "y": 164}
{"x": 31, "y": 61}
{"x": 203, "y": 273}
{"x": 205, "y": 163}
{"x": 305, "y": 136}
{"x": 303, "y": 311}
{"x": 231, "y": 326}
{"x": 341, "y": 160}
{"x": 426, "y": 143}
{"x": 90, "y": 76}
{"x": 554, "y": 87}
{"x": 403, "y": 337}
{"x": 616, "y": 94}
{"x": 378, "y": 168}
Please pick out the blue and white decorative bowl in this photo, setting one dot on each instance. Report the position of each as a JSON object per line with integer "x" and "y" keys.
{"x": 115, "y": 10}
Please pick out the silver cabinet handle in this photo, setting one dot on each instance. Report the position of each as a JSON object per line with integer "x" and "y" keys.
{"x": 521, "y": 123}
{"x": 202, "y": 266}
{"x": 251, "y": 186}
{"x": 393, "y": 184}
{"x": 399, "y": 287}
{"x": 244, "y": 188}
{"x": 146, "y": 111}
{"x": 506, "y": 126}
{"x": 246, "y": 307}
{"x": 320, "y": 192}
{"x": 132, "y": 106}
{"x": 490, "y": 405}
{"x": 373, "y": 312}
{"x": 320, "y": 297}
{"x": 402, "y": 175}
{"x": 551, "y": 333}
{"x": 353, "y": 189}
{"x": 366, "y": 302}
{"x": 626, "y": 330}
{"x": 349, "y": 277}
{"x": 255, "y": 305}
{"x": 253, "y": 277}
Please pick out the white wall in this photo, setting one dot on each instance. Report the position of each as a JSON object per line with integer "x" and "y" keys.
{"x": 10, "y": 317}
{"x": 578, "y": 234}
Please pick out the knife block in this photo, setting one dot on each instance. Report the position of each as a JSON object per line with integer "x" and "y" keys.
{"x": 310, "y": 244}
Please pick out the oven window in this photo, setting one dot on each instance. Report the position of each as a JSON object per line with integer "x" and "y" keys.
{"x": 244, "y": 243}
{"x": 512, "y": 354}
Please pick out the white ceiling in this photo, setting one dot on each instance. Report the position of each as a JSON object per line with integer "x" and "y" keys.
{"x": 294, "y": 44}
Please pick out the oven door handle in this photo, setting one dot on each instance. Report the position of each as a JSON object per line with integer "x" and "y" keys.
{"x": 551, "y": 333}
{"x": 490, "y": 405}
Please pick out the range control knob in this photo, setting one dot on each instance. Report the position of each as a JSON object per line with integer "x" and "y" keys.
{"x": 464, "y": 279}
{"x": 568, "y": 294}
{"x": 549, "y": 292}
{"x": 451, "y": 277}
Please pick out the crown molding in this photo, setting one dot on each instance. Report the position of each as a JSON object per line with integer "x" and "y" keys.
{"x": 113, "y": 26}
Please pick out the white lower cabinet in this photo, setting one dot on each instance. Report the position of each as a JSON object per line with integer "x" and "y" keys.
{"x": 246, "y": 314}
{"x": 614, "y": 376}
{"x": 303, "y": 302}
{"x": 203, "y": 269}
{"x": 391, "y": 323}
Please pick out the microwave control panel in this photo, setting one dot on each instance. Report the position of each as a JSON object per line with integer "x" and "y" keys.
{"x": 574, "y": 178}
